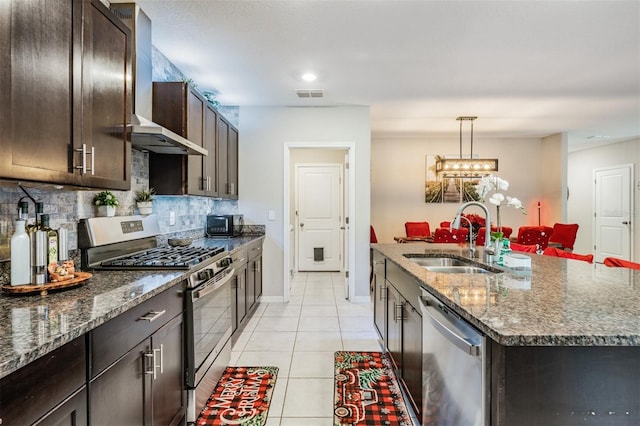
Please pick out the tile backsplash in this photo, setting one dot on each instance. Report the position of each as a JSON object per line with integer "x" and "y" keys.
{"x": 66, "y": 206}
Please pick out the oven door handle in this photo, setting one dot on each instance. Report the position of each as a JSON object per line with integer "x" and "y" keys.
{"x": 213, "y": 285}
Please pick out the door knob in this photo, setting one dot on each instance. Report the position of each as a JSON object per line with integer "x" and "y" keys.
{"x": 302, "y": 225}
{"x": 626, "y": 222}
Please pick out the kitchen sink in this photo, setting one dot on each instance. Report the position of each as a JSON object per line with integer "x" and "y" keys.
{"x": 450, "y": 265}
{"x": 458, "y": 269}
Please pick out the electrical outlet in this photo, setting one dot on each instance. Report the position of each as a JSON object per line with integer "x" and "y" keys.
{"x": 172, "y": 218}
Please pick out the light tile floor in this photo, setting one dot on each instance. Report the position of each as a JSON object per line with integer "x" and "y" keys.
{"x": 300, "y": 338}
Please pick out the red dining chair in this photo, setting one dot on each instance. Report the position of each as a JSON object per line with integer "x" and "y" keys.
{"x": 443, "y": 235}
{"x": 621, "y": 263}
{"x": 523, "y": 248}
{"x": 556, "y": 252}
{"x": 445, "y": 224}
{"x": 372, "y": 235}
{"x": 532, "y": 235}
{"x": 417, "y": 229}
{"x": 506, "y": 233}
{"x": 564, "y": 234}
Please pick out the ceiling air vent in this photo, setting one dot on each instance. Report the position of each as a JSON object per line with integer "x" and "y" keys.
{"x": 306, "y": 93}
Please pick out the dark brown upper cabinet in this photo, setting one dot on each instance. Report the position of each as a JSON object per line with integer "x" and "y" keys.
{"x": 227, "y": 160}
{"x": 178, "y": 107}
{"x": 66, "y": 103}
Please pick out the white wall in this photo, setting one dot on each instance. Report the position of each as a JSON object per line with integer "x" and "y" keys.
{"x": 263, "y": 134}
{"x": 398, "y": 175}
{"x": 554, "y": 179}
{"x": 580, "y": 181}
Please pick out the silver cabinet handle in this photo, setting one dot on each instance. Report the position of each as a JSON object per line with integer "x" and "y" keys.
{"x": 152, "y": 315}
{"x": 83, "y": 152}
{"x": 383, "y": 292}
{"x": 232, "y": 189}
{"x": 208, "y": 183}
{"x": 150, "y": 357}
{"x": 397, "y": 311}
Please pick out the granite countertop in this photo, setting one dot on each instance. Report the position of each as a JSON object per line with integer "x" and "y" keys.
{"x": 32, "y": 326}
{"x": 560, "y": 302}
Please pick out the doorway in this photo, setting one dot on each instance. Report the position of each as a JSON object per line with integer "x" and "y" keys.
{"x": 318, "y": 154}
{"x": 613, "y": 210}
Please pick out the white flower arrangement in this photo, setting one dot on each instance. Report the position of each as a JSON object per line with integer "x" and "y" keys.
{"x": 494, "y": 183}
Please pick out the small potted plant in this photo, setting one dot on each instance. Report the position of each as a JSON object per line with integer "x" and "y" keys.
{"x": 106, "y": 202}
{"x": 144, "y": 201}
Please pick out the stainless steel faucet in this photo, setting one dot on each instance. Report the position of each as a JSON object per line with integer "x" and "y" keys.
{"x": 489, "y": 251}
{"x": 472, "y": 242}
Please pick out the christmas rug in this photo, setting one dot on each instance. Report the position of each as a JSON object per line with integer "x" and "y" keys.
{"x": 367, "y": 392}
{"x": 241, "y": 397}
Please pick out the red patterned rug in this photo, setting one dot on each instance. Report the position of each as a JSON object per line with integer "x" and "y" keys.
{"x": 367, "y": 392}
{"x": 241, "y": 397}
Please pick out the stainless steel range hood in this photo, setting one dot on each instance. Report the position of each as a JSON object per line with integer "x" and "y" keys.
{"x": 149, "y": 136}
{"x": 145, "y": 134}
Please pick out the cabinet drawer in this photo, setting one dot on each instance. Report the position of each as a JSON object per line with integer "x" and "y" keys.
{"x": 35, "y": 389}
{"x": 408, "y": 286}
{"x": 255, "y": 249}
{"x": 113, "y": 339}
{"x": 240, "y": 257}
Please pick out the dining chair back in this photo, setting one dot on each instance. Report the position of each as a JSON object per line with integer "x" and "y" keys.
{"x": 506, "y": 233}
{"x": 443, "y": 235}
{"x": 417, "y": 229}
{"x": 532, "y": 235}
{"x": 372, "y": 235}
{"x": 564, "y": 234}
{"x": 621, "y": 263}
{"x": 556, "y": 252}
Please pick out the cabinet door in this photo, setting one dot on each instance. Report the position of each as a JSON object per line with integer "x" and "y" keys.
{"x": 232, "y": 163}
{"x": 379, "y": 296}
{"x": 116, "y": 397}
{"x": 106, "y": 103}
{"x": 394, "y": 325}
{"x": 196, "y": 178}
{"x": 41, "y": 69}
{"x": 223, "y": 153}
{"x": 251, "y": 284}
{"x": 412, "y": 354}
{"x": 241, "y": 293}
{"x": 210, "y": 143}
{"x": 258, "y": 275}
{"x": 167, "y": 386}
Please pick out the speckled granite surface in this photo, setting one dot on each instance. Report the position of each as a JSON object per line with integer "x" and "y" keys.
{"x": 559, "y": 303}
{"x": 32, "y": 326}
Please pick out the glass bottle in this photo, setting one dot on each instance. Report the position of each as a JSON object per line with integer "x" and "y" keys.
{"x": 20, "y": 255}
{"x": 52, "y": 239}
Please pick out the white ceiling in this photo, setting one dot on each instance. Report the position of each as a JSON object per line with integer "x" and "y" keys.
{"x": 525, "y": 68}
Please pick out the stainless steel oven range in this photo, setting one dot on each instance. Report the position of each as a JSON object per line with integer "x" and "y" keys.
{"x": 130, "y": 243}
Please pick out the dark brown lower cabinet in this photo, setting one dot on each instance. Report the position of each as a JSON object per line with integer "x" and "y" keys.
{"x": 145, "y": 386}
{"x": 49, "y": 391}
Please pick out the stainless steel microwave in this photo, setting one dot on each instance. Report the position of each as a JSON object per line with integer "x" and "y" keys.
{"x": 228, "y": 225}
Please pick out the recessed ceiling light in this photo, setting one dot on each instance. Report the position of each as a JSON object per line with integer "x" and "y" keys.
{"x": 309, "y": 76}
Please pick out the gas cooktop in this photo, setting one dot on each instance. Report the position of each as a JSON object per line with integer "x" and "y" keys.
{"x": 163, "y": 258}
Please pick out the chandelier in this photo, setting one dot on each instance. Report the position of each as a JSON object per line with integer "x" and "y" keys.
{"x": 465, "y": 167}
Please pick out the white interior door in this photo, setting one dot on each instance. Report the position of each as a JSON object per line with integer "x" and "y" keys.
{"x": 319, "y": 212}
{"x": 613, "y": 212}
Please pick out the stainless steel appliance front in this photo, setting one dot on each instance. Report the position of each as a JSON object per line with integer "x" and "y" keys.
{"x": 207, "y": 331}
{"x": 454, "y": 356}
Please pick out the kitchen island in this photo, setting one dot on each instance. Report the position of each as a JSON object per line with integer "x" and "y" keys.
{"x": 563, "y": 339}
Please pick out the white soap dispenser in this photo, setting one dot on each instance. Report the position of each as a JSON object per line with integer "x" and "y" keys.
{"x": 20, "y": 255}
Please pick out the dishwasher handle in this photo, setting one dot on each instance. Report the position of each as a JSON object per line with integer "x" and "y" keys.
{"x": 440, "y": 322}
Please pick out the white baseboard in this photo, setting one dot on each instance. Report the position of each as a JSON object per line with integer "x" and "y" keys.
{"x": 361, "y": 300}
{"x": 272, "y": 299}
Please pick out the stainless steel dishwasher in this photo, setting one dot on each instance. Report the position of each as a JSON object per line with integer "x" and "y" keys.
{"x": 453, "y": 368}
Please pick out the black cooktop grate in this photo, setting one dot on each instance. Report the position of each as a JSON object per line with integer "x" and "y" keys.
{"x": 164, "y": 258}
